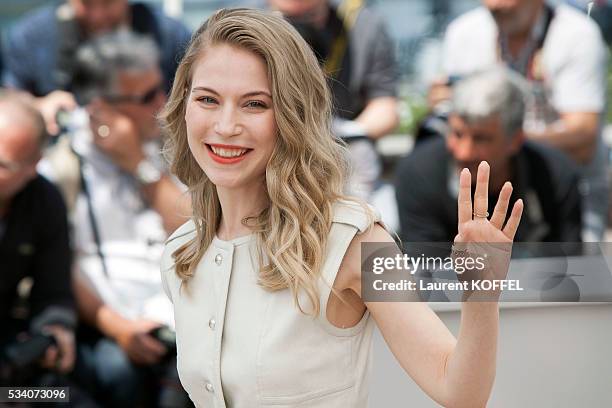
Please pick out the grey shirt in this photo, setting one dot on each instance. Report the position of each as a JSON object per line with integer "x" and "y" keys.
{"x": 369, "y": 69}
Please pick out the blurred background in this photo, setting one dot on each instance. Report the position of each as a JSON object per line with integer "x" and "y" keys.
{"x": 551, "y": 354}
{"x": 417, "y": 27}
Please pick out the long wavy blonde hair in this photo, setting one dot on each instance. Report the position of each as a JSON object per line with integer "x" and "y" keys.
{"x": 306, "y": 172}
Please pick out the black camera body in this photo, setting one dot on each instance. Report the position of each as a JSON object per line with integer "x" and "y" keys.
{"x": 18, "y": 360}
{"x": 24, "y": 353}
{"x": 166, "y": 336}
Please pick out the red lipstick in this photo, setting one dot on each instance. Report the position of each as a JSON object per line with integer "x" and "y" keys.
{"x": 226, "y": 160}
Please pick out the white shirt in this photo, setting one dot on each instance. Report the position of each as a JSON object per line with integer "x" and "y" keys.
{"x": 574, "y": 69}
{"x": 131, "y": 233}
{"x": 573, "y": 61}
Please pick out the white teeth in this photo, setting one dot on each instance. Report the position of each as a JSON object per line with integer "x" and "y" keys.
{"x": 228, "y": 152}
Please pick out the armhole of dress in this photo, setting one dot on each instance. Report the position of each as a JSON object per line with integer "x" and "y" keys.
{"x": 343, "y": 235}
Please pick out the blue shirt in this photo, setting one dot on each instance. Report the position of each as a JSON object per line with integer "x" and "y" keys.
{"x": 33, "y": 44}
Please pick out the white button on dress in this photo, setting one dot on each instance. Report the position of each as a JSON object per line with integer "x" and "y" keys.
{"x": 258, "y": 349}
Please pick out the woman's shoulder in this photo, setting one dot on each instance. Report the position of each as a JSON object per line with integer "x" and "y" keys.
{"x": 357, "y": 214}
{"x": 182, "y": 234}
{"x": 368, "y": 228}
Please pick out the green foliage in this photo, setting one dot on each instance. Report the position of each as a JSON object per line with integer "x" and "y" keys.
{"x": 413, "y": 108}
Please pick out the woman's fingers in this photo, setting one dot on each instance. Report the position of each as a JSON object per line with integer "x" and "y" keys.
{"x": 464, "y": 200}
{"x": 514, "y": 220}
{"x": 481, "y": 196}
{"x": 481, "y": 201}
{"x": 501, "y": 208}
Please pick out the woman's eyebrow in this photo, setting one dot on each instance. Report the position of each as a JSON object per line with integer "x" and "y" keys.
{"x": 205, "y": 89}
{"x": 257, "y": 93}
{"x": 248, "y": 94}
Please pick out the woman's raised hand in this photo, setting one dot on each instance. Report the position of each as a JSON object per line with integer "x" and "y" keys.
{"x": 482, "y": 237}
{"x": 474, "y": 224}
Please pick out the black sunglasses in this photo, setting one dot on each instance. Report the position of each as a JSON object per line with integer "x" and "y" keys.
{"x": 144, "y": 99}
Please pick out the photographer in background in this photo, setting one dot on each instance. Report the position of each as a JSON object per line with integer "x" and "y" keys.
{"x": 357, "y": 54}
{"x": 123, "y": 204}
{"x": 561, "y": 52}
{"x": 486, "y": 123}
{"x": 34, "y": 247}
{"x": 40, "y": 48}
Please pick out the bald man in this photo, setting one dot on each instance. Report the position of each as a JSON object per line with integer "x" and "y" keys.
{"x": 33, "y": 239}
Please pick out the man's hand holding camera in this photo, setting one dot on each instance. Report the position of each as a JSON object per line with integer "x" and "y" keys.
{"x": 116, "y": 135}
{"x": 141, "y": 347}
{"x": 53, "y": 103}
{"x": 61, "y": 355}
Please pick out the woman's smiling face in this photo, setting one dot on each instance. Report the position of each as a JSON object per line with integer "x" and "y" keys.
{"x": 231, "y": 127}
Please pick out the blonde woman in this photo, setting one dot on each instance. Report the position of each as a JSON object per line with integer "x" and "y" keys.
{"x": 265, "y": 278}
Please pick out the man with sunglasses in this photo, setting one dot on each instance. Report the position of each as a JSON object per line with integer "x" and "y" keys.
{"x": 125, "y": 207}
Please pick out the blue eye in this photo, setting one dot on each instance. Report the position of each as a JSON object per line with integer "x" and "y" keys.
{"x": 256, "y": 104}
{"x": 206, "y": 99}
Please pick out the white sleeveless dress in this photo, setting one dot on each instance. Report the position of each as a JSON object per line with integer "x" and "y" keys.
{"x": 240, "y": 346}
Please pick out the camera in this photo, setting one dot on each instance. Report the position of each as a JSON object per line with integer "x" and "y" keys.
{"x": 166, "y": 336}
{"x": 18, "y": 359}
{"x": 171, "y": 393}
{"x": 23, "y": 353}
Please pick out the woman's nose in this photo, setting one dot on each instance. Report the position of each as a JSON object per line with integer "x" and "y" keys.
{"x": 227, "y": 124}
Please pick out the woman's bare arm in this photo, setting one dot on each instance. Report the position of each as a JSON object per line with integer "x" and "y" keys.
{"x": 454, "y": 372}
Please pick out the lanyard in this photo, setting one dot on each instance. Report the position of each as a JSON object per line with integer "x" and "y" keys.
{"x": 528, "y": 61}
{"x": 347, "y": 12}
{"x": 91, "y": 215}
